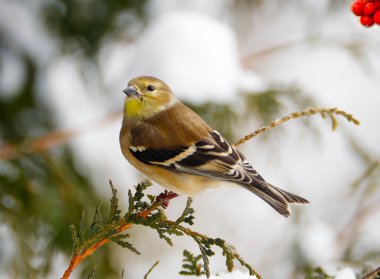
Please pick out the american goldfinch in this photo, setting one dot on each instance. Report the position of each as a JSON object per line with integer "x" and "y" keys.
{"x": 175, "y": 147}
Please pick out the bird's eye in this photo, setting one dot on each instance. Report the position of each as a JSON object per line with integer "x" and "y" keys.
{"x": 150, "y": 88}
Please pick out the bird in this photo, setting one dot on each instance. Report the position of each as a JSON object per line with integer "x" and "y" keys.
{"x": 173, "y": 146}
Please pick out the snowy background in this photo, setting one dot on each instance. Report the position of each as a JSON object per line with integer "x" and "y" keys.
{"x": 203, "y": 50}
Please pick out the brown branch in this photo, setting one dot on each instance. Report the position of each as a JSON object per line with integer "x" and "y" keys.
{"x": 347, "y": 43}
{"x": 373, "y": 274}
{"x": 247, "y": 60}
{"x": 13, "y": 151}
{"x": 349, "y": 231}
{"x": 331, "y": 112}
{"x": 79, "y": 257}
{"x": 368, "y": 172}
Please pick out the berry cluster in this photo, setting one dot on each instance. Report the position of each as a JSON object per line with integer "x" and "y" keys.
{"x": 368, "y": 10}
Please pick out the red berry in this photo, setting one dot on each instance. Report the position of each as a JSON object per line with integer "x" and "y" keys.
{"x": 377, "y": 5}
{"x": 367, "y": 21}
{"x": 376, "y": 17}
{"x": 369, "y": 8}
{"x": 357, "y": 8}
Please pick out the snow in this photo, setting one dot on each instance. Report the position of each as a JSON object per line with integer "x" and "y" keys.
{"x": 319, "y": 243}
{"x": 77, "y": 106}
{"x": 29, "y": 33}
{"x": 252, "y": 82}
{"x": 236, "y": 274}
{"x": 8, "y": 248}
{"x": 345, "y": 273}
{"x": 196, "y": 55}
{"x": 210, "y": 8}
{"x": 10, "y": 79}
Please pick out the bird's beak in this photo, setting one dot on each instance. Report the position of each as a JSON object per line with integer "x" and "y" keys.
{"x": 131, "y": 92}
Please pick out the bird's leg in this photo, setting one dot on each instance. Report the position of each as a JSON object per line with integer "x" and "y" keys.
{"x": 165, "y": 197}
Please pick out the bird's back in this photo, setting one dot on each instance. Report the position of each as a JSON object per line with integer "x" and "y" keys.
{"x": 159, "y": 133}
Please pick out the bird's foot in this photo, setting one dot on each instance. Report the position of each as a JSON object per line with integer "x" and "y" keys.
{"x": 165, "y": 197}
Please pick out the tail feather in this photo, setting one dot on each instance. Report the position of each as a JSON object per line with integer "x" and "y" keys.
{"x": 276, "y": 197}
{"x": 289, "y": 197}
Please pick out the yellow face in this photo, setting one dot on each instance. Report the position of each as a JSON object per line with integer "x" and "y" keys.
{"x": 146, "y": 96}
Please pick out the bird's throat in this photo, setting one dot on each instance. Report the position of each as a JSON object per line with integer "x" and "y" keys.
{"x": 133, "y": 107}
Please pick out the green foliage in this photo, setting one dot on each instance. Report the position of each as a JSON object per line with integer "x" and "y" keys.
{"x": 47, "y": 195}
{"x": 91, "y": 275}
{"x": 269, "y": 103}
{"x": 84, "y": 236}
{"x": 318, "y": 273}
{"x": 222, "y": 117}
{"x": 205, "y": 243}
{"x": 84, "y": 24}
{"x": 45, "y": 190}
{"x": 149, "y": 212}
{"x": 264, "y": 106}
{"x": 191, "y": 265}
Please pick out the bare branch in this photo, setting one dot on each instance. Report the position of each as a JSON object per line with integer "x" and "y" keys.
{"x": 11, "y": 151}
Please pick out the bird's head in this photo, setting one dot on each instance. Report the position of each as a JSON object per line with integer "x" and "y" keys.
{"x": 147, "y": 96}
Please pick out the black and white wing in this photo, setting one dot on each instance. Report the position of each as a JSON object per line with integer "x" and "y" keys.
{"x": 214, "y": 157}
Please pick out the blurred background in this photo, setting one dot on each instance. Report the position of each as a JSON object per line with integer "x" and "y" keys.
{"x": 240, "y": 64}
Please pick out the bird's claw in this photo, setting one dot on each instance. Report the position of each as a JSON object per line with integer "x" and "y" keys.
{"x": 165, "y": 197}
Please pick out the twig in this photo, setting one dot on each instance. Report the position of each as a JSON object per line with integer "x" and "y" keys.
{"x": 349, "y": 231}
{"x": 363, "y": 211}
{"x": 373, "y": 274}
{"x": 78, "y": 258}
{"x": 348, "y": 44}
{"x": 248, "y": 59}
{"x": 368, "y": 172}
{"x": 331, "y": 112}
{"x": 150, "y": 270}
{"x": 13, "y": 151}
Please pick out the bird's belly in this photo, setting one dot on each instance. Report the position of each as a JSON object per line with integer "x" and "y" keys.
{"x": 180, "y": 183}
{"x": 187, "y": 184}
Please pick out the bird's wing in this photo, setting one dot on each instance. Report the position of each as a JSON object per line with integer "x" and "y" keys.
{"x": 212, "y": 157}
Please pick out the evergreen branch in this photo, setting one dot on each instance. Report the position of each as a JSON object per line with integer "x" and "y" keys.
{"x": 318, "y": 273}
{"x": 150, "y": 214}
{"x": 79, "y": 257}
{"x": 191, "y": 265}
{"x": 204, "y": 242}
{"x": 85, "y": 245}
{"x": 324, "y": 112}
{"x": 114, "y": 211}
{"x": 91, "y": 275}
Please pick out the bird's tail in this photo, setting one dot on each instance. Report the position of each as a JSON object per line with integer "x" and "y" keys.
{"x": 275, "y": 197}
